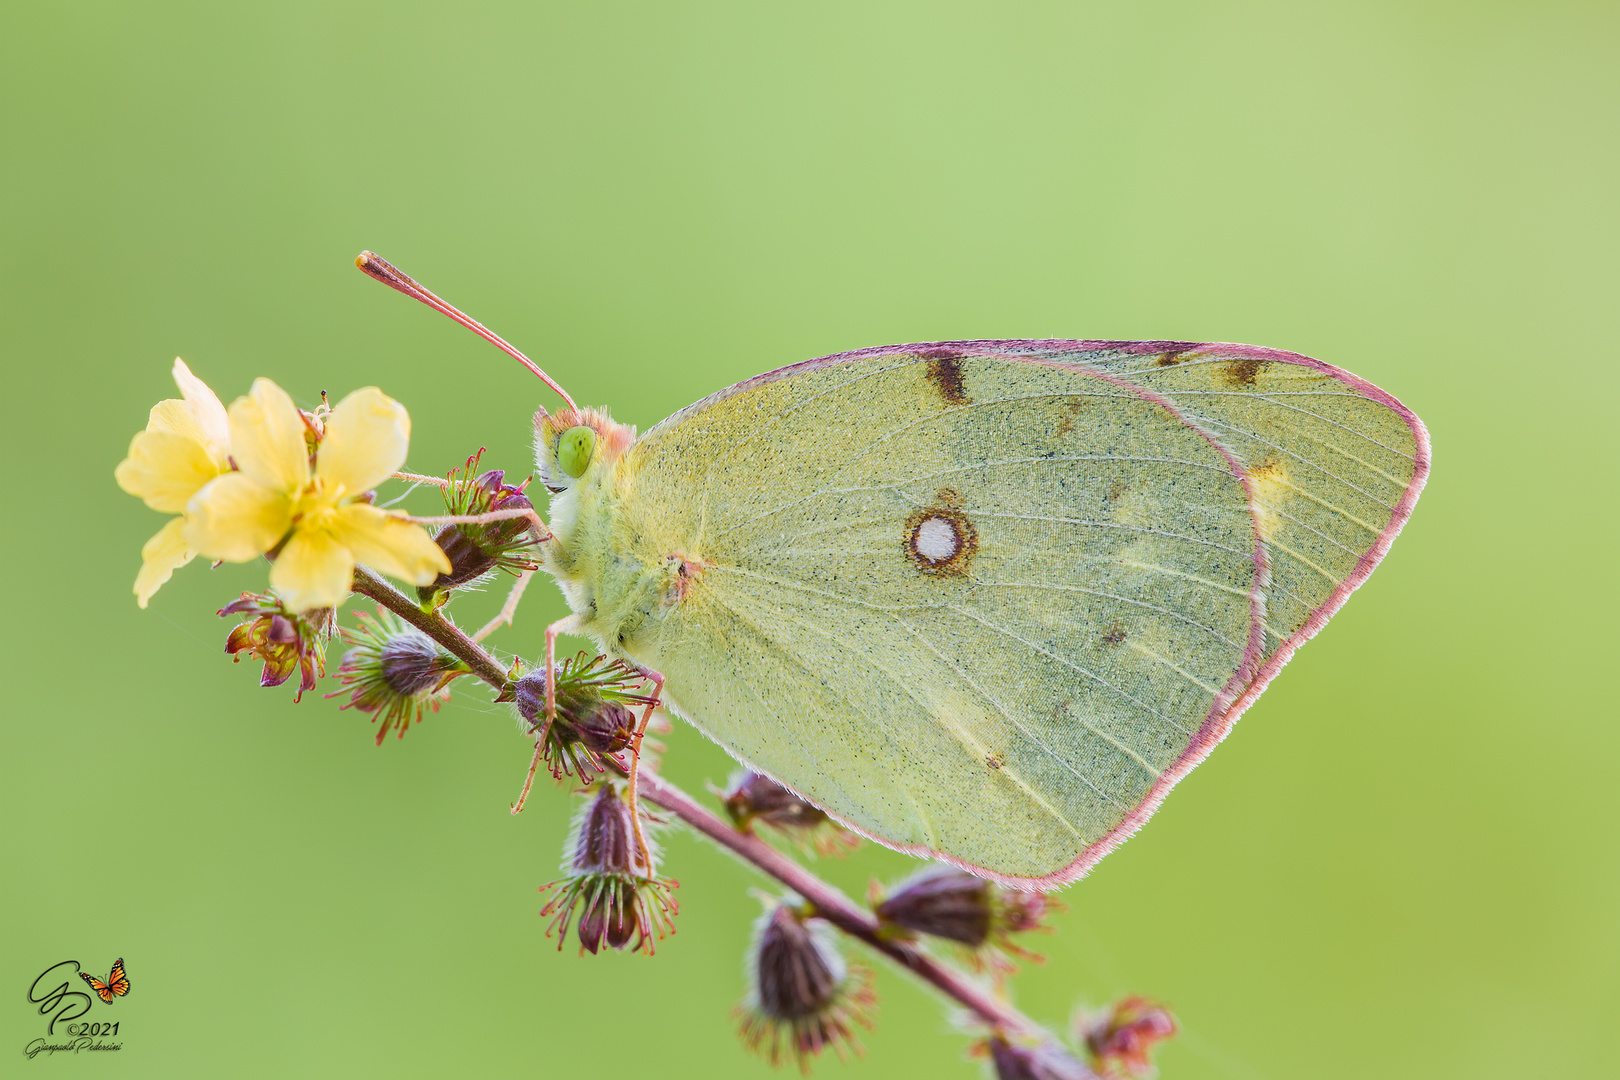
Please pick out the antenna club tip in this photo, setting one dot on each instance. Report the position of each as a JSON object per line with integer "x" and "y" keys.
{"x": 374, "y": 265}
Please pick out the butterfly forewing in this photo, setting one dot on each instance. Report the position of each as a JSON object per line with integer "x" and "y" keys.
{"x": 970, "y": 603}
{"x": 1336, "y": 463}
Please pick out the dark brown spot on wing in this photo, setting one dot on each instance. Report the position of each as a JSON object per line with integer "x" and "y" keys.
{"x": 995, "y": 761}
{"x": 1115, "y": 635}
{"x": 1269, "y": 469}
{"x": 945, "y": 372}
{"x": 946, "y": 509}
{"x": 1243, "y": 372}
{"x": 1073, "y": 406}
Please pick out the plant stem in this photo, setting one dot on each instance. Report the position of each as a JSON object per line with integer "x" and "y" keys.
{"x": 434, "y": 625}
{"x": 829, "y": 903}
{"x": 838, "y": 909}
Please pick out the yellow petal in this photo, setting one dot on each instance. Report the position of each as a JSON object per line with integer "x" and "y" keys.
{"x": 164, "y": 469}
{"x": 313, "y": 570}
{"x": 236, "y": 518}
{"x": 206, "y": 409}
{"x": 161, "y": 556}
{"x": 367, "y": 436}
{"x": 389, "y": 543}
{"x": 267, "y": 438}
{"x": 174, "y": 417}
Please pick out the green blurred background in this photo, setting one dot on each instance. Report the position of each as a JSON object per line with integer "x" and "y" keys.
{"x": 1402, "y": 864}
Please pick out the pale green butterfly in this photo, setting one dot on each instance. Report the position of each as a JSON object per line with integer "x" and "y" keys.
{"x": 981, "y": 601}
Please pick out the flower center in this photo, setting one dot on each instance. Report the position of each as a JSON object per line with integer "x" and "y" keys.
{"x": 316, "y": 506}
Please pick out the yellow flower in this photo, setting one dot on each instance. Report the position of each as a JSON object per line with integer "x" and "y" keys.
{"x": 185, "y": 445}
{"x": 323, "y": 531}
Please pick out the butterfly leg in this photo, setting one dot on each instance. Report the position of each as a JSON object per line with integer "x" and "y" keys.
{"x": 568, "y": 625}
{"x": 657, "y": 680}
{"x": 509, "y": 609}
{"x": 561, "y": 626}
{"x": 528, "y": 781}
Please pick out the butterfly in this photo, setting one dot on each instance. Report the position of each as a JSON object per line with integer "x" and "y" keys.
{"x": 117, "y": 984}
{"x": 981, "y": 601}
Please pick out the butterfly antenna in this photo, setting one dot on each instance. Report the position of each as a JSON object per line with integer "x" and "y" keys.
{"x": 395, "y": 278}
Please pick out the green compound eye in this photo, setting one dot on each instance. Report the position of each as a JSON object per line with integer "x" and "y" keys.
{"x": 574, "y": 450}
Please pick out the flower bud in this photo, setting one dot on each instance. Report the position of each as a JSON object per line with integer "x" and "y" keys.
{"x": 611, "y": 893}
{"x": 594, "y": 720}
{"x": 412, "y": 664}
{"x": 752, "y": 797}
{"x": 1018, "y": 912}
{"x": 603, "y": 839}
{"x": 610, "y": 917}
{"x": 979, "y": 916}
{"x": 797, "y": 971}
{"x": 942, "y": 902}
{"x": 601, "y": 725}
{"x": 802, "y": 997}
{"x": 1121, "y": 1038}
{"x": 477, "y": 550}
{"x": 285, "y": 641}
{"x": 394, "y": 672}
{"x": 1047, "y": 1061}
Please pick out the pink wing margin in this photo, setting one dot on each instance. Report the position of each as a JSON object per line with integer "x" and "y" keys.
{"x": 1250, "y": 680}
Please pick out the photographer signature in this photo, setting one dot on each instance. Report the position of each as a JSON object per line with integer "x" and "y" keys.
{"x": 81, "y": 1042}
{"x": 61, "y": 999}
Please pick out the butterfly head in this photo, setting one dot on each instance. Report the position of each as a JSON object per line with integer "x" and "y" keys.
{"x": 569, "y": 443}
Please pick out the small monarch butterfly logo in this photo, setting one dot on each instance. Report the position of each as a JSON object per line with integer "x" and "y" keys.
{"x": 117, "y": 984}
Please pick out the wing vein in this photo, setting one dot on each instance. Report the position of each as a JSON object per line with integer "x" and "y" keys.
{"x": 978, "y": 513}
{"x": 1099, "y": 680}
{"x": 1082, "y": 777}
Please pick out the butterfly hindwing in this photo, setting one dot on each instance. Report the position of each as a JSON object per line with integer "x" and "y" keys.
{"x": 118, "y": 982}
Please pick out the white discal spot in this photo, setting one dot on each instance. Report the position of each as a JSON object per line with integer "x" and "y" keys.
{"x": 936, "y": 539}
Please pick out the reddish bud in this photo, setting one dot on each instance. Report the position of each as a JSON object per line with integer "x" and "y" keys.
{"x": 285, "y": 641}
{"x": 610, "y": 896}
{"x": 977, "y": 915}
{"x": 753, "y": 797}
{"x": 583, "y": 715}
{"x": 603, "y": 838}
{"x": 942, "y": 902}
{"x": 1045, "y": 1062}
{"x": 412, "y": 664}
{"x": 1019, "y": 912}
{"x": 796, "y": 971}
{"x": 1122, "y": 1039}
{"x": 803, "y": 998}
{"x": 476, "y": 550}
{"x": 594, "y": 718}
{"x": 394, "y": 672}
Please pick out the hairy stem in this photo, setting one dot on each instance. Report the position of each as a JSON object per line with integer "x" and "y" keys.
{"x": 434, "y": 625}
{"x": 829, "y": 903}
